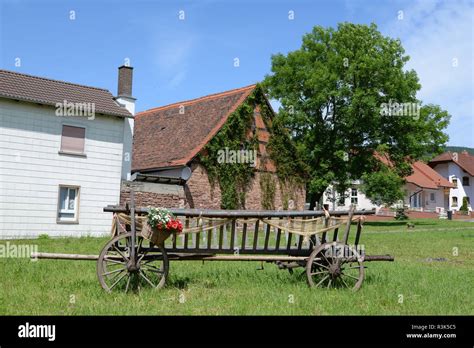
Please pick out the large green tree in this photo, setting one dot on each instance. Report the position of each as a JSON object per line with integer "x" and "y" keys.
{"x": 341, "y": 97}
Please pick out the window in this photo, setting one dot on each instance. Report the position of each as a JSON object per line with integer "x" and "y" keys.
{"x": 455, "y": 182}
{"x": 353, "y": 196}
{"x": 465, "y": 181}
{"x": 68, "y": 204}
{"x": 72, "y": 140}
{"x": 455, "y": 202}
{"x": 342, "y": 199}
{"x": 432, "y": 197}
{"x": 468, "y": 200}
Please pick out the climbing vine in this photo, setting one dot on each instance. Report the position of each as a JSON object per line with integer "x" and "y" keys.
{"x": 239, "y": 133}
{"x": 233, "y": 178}
{"x": 268, "y": 189}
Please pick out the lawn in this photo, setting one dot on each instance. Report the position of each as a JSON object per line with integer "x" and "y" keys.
{"x": 433, "y": 273}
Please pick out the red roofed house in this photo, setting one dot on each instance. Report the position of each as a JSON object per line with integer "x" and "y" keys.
{"x": 459, "y": 169}
{"x": 426, "y": 190}
{"x": 168, "y": 141}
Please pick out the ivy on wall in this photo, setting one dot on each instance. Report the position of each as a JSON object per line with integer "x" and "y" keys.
{"x": 233, "y": 178}
{"x": 268, "y": 189}
{"x": 238, "y": 134}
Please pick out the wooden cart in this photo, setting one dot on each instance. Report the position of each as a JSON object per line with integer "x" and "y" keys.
{"x": 331, "y": 258}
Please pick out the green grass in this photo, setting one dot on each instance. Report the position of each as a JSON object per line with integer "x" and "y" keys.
{"x": 445, "y": 287}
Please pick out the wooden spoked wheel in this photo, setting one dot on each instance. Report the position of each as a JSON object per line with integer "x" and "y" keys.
{"x": 335, "y": 265}
{"x": 116, "y": 271}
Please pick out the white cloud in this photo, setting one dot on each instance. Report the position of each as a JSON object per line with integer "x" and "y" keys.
{"x": 435, "y": 35}
{"x": 172, "y": 53}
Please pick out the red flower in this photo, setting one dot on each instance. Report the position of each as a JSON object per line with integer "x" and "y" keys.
{"x": 174, "y": 225}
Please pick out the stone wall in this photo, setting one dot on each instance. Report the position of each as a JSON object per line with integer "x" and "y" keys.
{"x": 199, "y": 193}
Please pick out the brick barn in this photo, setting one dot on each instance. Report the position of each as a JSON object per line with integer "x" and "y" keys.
{"x": 170, "y": 140}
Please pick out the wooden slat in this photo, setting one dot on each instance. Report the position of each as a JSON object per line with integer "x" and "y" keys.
{"x": 267, "y": 237}
{"x": 359, "y": 231}
{"x": 244, "y": 235}
{"x": 175, "y": 238}
{"x": 232, "y": 235}
{"x": 348, "y": 225}
{"x": 278, "y": 237}
{"x": 288, "y": 246}
{"x": 186, "y": 236}
{"x": 209, "y": 238}
{"x": 300, "y": 239}
{"x": 255, "y": 236}
{"x": 198, "y": 239}
{"x": 324, "y": 235}
{"x": 221, "y": 236}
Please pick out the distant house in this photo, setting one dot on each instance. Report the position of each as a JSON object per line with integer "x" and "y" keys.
{"x": 426, "y": 190}
{"x": 459, "y": 169}
{"x": 168, "y": 141}
{"x": 64, "y": 149}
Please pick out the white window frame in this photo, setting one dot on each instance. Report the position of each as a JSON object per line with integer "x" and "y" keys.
{"x": 75, "y": 219}
{"x": 354, "y": 199}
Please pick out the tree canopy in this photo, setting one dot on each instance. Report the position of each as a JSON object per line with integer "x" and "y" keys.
{"x": 347, "y": 93}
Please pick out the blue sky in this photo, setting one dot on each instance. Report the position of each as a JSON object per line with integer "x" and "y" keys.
{"x": 182, "y": 59}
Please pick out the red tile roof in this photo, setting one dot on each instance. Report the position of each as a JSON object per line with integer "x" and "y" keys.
{"x": 423, "y": 175}
{"x": 49, "y": 92}
{"x": 464, "y": 160}
{"x": 426, "y": 177}
{"x": 164, "y": 137}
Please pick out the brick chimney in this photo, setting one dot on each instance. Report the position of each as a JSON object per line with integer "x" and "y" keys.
{"x": 125, "y": 78}
{"x": 125, "y": 99}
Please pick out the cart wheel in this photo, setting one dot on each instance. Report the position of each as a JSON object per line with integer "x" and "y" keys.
{"x": 335, "y": 265}
{"x": 114, "y": 267}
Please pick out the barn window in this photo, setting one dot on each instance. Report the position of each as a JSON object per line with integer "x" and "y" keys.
{"x": 68, "y": 205}
{"x": 72, "y": 139}
{"x": 465, "y": 181}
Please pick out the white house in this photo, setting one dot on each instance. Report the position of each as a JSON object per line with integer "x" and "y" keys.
{"x": 459, "y": 169}
{"x": 64, "y": 149}
{"x": 426, "y": 190}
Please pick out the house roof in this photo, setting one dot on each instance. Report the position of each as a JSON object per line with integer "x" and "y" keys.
{"x": 423, "y": 175}
{"x": 426, "y": 177}
{"x": 174, "y": 134}
{"x": 464, "y": 160}
{"x": 49, "y": 92}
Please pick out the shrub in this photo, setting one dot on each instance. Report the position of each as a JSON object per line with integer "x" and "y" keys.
{"x": 464, "y": 207}
{"x": 400, "y": 214}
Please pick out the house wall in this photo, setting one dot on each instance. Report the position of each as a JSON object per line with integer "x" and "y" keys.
{"x": 424, "y": 198}
{"x": 363, "y": 203}
{"x": 31, "y": 170}
{"x": 451, "y": 170}
{"x": 200, "y": 193}
{"x": 426, "y": 204}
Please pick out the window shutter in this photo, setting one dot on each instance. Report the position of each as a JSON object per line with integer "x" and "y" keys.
{"x": 72, "y": 139}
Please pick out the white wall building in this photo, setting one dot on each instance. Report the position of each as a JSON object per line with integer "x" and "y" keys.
{"x": 63, "y": 148}
{"x": 459, "y": 169}
{"x": 426, "y": 190}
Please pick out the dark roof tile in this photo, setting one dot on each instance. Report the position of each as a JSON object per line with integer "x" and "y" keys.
{"x": 164, "y": 137}
{"x": 41, "y": 90}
